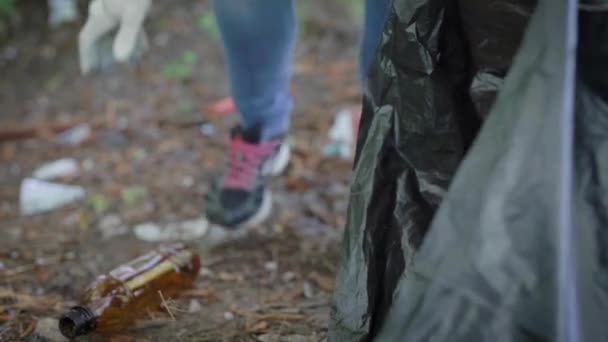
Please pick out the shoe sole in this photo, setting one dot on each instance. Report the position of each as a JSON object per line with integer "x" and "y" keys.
{"x": 217, "y": 234}
{"x": 281, "y": 160}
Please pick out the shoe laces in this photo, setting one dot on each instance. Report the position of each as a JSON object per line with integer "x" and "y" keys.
{"x": 244, "y": 160}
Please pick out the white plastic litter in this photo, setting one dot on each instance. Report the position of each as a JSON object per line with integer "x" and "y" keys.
{"x": 342, "y": 134}
{"x": 178, "y": 231}
{"x": 195, "y": 306}
{"x": 75, "y": 136}
{"x": 62, "y": 11}
{"x": 58, "y": 168}
{"x": 37, "y": 196}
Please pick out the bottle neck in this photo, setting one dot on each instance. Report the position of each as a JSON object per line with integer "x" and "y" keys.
{"x": 77, "y": 322}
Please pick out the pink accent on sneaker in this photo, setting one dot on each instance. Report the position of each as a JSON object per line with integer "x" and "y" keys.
{"x": 245, "y": 160}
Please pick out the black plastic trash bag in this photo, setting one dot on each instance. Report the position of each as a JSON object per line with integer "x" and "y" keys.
{"x": 518, "y": 248}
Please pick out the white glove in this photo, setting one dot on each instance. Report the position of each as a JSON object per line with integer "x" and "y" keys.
{"x": 125, "y": 18}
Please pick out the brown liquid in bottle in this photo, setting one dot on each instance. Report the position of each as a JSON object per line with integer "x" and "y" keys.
{"x": 114, "y": 301}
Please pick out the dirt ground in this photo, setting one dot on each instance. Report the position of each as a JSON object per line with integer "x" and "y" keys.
{"x": 148, "y": 162}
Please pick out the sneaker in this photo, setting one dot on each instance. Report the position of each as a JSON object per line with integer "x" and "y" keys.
{"x": 239, "y": 198}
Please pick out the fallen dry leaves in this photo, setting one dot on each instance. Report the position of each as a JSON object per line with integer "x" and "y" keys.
{"x": 28, "y": 330}
{"x": 20, "y": 301}
{"x": 260, "y": 322}
{"x": 208, "y": 295}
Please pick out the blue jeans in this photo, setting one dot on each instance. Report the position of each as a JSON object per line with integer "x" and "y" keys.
{"x": 259, "y": 38}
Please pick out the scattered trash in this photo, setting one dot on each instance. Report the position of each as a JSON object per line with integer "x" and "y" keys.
{"x": 37, "y": 196}
{"x": 229, "y": 316}
{"x": 112, "y": 226}
{"x": 343, "y": 134}
{"x": 62, "y": 11}
{"x": 336, "y": 149}
{"x": 99, "y": 203}
{"x": 56, "y": 169}
{"x": 168, "y": 271}
{"x": 308, "y": 290}
{"x": 49, "y": 330}
{"x": 271, "y": 266}
{"x": 133, "y": 194}
{"x": 195, "y": 306}
{"x": 179, "y": 231}
{"x": 207, "y": 129}
{"x": 75, "y": 136}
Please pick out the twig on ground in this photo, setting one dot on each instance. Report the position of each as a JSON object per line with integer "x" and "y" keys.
{"x": 26, "y": 302}
{"x": 28, "y": 330}
{"x": 164, "y": 304}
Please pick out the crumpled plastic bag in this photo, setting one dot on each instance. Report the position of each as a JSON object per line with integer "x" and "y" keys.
{"x": 475, "y": 217}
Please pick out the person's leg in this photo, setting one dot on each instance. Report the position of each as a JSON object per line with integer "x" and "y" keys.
{"x": 373, "y": 24}
{"x": 259, "y": 38}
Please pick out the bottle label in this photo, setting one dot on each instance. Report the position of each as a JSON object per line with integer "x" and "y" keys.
{"x": 177, "y": 261}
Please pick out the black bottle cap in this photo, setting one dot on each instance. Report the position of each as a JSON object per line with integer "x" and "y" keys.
{"x": 77, "y": 322}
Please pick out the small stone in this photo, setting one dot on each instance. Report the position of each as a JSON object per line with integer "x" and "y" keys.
{"x": 187, "y": 182}
{"x": 111, "y": 226}
{"x": 15, "y": 233}
{"x": 299, "y": 338}
{"x": 207, "y": 129}
{"x": 229, "y": 316}
{"x": 177, "y": 231}
{"x": 268, "y": 338}
{"x": 49, "y": 329}
{"x": 14, "y": 254}
{"x": 15, "y": 169}
{"x": 288, "y": 276}
{"x": 271, "y": 266}
{"x": 194, "y": 306}
{"x": 206, "y": 272}
{"x": 88, "y": 164}
{"x": 162, "y": 39}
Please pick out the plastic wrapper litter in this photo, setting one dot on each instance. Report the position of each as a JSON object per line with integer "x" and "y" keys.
{"x": 479, "y": 200}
